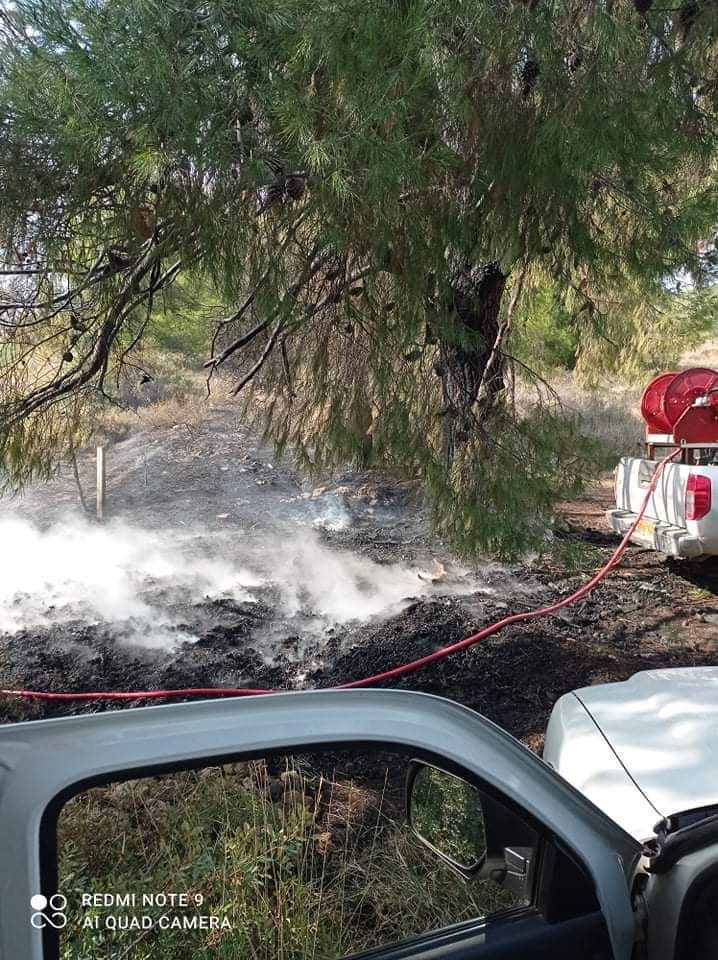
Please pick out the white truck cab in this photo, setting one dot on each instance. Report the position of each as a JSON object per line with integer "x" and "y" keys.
{"x": 643, "y": 749}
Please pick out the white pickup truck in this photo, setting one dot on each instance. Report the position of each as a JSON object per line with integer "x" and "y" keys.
{"x": 681, "y": 518}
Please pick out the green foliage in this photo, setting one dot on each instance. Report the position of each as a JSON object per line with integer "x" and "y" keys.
{"x": 547, "y": 337}
{"x": 508, "y": 500}
{"x": 184, "y": 323}
{"x": 573, "y": 556}
{"x": 629, "y": 333}
{"x": 347, "y": 177}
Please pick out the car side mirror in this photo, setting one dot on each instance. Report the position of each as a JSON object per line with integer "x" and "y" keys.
{"x": 446, "y": 814}
{"x": 472, "y": 832}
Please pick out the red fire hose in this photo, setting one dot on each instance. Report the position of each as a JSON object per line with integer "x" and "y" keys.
{"x": 387, "y": 674}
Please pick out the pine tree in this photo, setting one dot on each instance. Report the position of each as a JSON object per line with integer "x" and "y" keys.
{"x": 376, "y": 189}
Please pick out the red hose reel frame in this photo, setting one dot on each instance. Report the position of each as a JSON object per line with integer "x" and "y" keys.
{"x": 682, "y": 408}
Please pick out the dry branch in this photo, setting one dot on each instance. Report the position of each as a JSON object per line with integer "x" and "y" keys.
{"x": 80, "y": 375}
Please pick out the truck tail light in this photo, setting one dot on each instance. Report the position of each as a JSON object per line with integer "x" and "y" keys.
{"x": 698, "y": 496}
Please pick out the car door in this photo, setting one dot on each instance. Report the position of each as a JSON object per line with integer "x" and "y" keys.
{"x": 579, "y": 903}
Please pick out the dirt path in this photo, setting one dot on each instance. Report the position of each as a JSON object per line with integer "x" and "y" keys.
{"x": 692, "y": 587}
{"x": 214, "y": 501}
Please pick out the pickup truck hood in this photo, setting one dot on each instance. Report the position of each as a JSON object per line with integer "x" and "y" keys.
{"x": 662, "y": 727}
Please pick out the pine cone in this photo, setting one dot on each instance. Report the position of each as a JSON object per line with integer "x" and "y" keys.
{"x": 574, "y": 60}
{"x": 283, "y": 188}
{"x": 275, "y": 192}
{"x": 529, "y": 75}
{"x": 143, "y": 222}
{"x": 119, "y": 259}
{"x": 295, "y": 187}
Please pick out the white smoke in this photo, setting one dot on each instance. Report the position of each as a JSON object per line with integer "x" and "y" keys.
{"x": 123, "y": 575}
{"x": 79, "y": 571}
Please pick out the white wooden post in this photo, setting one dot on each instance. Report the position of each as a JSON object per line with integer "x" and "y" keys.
{"x": 100, "y": 483}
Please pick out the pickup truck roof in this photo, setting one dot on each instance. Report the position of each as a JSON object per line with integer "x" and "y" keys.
{"x": 662, "y": 730}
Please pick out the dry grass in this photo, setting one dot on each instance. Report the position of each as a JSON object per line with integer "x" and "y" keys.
{"x": 117, "y": 423}
{"x": 303, "y": 866}
{"x": 610, "y": 413}
{"x": 176, "y": 397}
{"x": 704, "y": 356}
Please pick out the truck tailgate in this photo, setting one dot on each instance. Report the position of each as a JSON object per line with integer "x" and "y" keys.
{"x": 664, "y": 525}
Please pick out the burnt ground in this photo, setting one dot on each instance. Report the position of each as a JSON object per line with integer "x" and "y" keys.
{"x": 216, "y": 481}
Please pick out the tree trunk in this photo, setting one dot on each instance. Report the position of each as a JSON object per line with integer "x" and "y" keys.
{"x": 468, "y": 359}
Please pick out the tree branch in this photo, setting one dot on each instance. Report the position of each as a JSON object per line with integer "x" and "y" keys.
{"x": 307, "y": 274}
{"x": 98, "y": 357}
{"x": 502, "y": 331}
{"x": 260, "y": 363}
{"x": 242, "y": 341}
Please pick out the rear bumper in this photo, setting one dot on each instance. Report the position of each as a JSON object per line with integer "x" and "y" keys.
{"x": 656, "y": 535}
